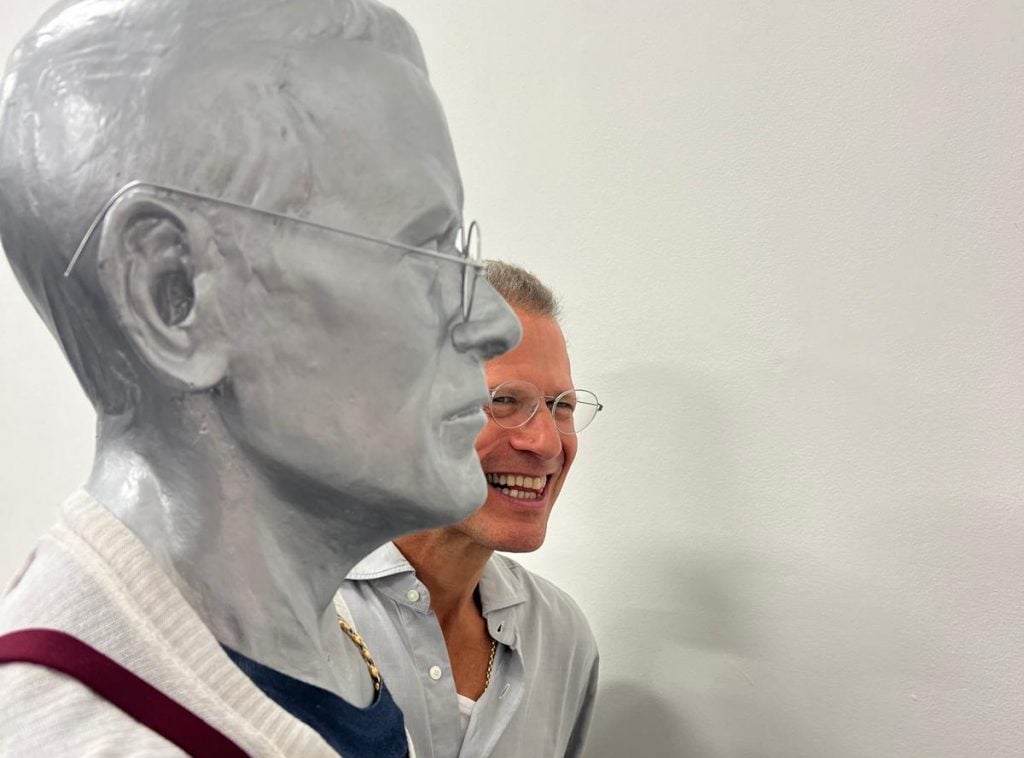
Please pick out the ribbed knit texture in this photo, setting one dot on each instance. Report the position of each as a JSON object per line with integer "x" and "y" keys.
{"x": 89, "y": 576}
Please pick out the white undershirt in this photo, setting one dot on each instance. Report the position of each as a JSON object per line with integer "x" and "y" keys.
{"x": 465, "y": 712}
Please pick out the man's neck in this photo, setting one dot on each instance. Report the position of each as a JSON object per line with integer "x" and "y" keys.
{"x": 450, "y": 564}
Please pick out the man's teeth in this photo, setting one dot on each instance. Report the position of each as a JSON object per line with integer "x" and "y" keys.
{"x": 519, "y": 486}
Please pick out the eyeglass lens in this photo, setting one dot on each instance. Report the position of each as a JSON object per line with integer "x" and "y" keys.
{"x": 514, "y": 403}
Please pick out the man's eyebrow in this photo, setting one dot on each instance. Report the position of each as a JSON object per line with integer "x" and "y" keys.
{"x": 553, "y": 395}
{"x": 432, "y": 223}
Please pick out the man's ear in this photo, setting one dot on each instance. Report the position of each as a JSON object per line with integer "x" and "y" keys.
{"x": 151, "y": 254}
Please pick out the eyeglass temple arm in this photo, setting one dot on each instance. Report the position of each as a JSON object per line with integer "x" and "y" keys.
{"x": 551, "y": 398}
{"x": 272, "y": 214}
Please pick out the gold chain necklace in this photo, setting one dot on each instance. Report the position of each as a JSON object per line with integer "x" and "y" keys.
{"x": 361, "y": 644}
{"x": 490, "y": 663}
{"x": 375, "y": 672}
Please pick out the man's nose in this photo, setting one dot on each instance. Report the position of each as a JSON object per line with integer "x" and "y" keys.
{"x": 538, "y": 435}
{"x": 492, "y": 328}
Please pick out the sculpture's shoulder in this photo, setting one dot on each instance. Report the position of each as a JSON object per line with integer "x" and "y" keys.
{"x": 32, "y": 597}
{"x": 55, "y": 586}
{"x": 43, "y": 712}
{"x": 79, "y": 577}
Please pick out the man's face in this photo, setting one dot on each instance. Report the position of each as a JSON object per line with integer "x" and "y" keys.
{"x": 345, "y": 380}
{"x": 535, "y": 450}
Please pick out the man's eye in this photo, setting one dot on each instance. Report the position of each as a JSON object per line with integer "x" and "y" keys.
{"x": 504, "y": 406}
{"x": 562, "y": 409}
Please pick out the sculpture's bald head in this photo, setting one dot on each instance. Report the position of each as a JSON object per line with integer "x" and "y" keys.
{"x": 238, "y": 99}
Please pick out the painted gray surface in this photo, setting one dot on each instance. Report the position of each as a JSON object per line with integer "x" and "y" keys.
{"x": 796, "y": 227}
{"x": 273, "y": 400}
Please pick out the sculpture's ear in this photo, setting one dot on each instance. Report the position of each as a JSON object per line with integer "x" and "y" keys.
{"x": 151, "y": 252}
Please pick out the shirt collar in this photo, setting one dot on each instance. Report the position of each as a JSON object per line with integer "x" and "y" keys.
{"x": 386, "y": 560}
{"x": 501, "y": 594}
{"x": 500, "y": 584}
{"x": 501, "y": 587}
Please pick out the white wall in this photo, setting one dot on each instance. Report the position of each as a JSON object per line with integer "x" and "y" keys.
{"x": 788, "y": 237}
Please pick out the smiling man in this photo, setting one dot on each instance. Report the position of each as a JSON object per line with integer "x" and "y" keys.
{"x": 240, "y": 220}
{"x": 484, "y": 657}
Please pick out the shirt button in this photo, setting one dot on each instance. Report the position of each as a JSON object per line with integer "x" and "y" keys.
{"x": 413, "y": 595}
{"x": 435, "y": 672}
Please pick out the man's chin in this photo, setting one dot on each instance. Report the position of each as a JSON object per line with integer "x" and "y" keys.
{"x": 491, "y": 530}
{"x": 516, "y": 544}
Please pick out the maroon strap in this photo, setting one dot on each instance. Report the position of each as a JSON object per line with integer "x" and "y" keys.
{"x": 111, "y": 681}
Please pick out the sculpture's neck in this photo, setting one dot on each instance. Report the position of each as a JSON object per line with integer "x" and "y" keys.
{"x": 260, "y": 569}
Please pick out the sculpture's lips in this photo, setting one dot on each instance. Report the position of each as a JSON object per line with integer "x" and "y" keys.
{"x": 468, "y": 404}
{"x": 466, "y": 413}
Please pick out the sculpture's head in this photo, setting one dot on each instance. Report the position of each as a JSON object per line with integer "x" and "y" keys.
{"x": 335, "y": 362}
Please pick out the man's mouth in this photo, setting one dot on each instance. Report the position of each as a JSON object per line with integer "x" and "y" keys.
{"x": 518, "y": 486}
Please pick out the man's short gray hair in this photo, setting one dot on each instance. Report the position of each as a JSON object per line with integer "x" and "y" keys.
{"x": 523, "y": 290}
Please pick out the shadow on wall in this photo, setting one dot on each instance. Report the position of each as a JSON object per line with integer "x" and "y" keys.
{"x": 695, "y": 533}
{"x": 734, "y": 646}
{"x": 693, "y": 538}
{"x": 633, "y": 722}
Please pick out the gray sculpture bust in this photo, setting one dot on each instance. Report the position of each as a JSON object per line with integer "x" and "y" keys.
{"x": 274, "y": 399}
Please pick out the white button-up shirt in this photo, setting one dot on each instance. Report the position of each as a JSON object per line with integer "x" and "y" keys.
{"x": 544, "y": 679}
